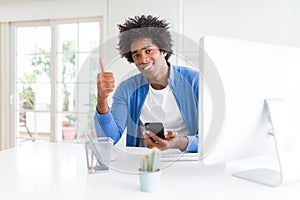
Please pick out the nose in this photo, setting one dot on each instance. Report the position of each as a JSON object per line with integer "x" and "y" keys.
{"x": 145, "y": 58}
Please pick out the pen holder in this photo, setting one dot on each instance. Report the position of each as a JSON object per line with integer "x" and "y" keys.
{"x": 149, "y": 181}
{"x": 98, "y": 154}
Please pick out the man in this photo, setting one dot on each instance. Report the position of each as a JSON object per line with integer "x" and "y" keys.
{"x": 162, "y": 92}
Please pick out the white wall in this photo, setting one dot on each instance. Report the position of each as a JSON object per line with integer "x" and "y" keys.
{"x": 272, "y": 21}
{"x": 113, "y": 11}
{"x": 121, "y": 10}
{"x": 52, "y": 9}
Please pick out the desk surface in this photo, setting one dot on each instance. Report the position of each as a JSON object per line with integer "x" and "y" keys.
{"x": 59, "y": 171}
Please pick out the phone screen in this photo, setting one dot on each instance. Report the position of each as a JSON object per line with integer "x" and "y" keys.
{"x": 156, "y": 127}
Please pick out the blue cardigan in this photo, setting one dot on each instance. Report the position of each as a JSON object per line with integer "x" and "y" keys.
{"x": 129, "y": 98}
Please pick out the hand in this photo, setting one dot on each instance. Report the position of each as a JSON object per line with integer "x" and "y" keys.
{"x": 170, "y": 141}
{"x": 105, "y": 81}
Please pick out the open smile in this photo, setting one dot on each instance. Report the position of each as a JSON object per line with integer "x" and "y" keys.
{"x": 147, "y": 67}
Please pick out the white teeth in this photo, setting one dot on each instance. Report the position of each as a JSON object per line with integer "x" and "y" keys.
{"x": 148, "y": 67}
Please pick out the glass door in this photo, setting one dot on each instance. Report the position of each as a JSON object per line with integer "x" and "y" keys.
{"x": 56, "y": 64}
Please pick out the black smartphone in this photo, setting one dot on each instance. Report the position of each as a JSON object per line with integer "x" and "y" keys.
{"x": 156, "y": 127}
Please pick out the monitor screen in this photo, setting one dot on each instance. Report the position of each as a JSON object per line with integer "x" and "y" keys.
{"x": 238, "y": 76}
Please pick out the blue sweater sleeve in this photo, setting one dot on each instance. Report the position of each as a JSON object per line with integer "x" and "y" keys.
{"x": 105, "y": 126}
{"x": 192, "y": 143}
{"x": 113, "y": 123}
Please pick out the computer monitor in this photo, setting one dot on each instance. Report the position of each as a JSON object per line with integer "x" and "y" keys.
{"x": 238, "y": 77}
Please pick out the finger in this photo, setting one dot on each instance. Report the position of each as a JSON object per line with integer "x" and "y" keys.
{"x": 155, "y": 137}
{"x": 148, "y": 142}
{"x": 102, "y": 66}
{"x": 107, "y": 75}
{"x": 166, "y": 133}
{"x": 170, "y": 134}
{"x": 148, "y": 135}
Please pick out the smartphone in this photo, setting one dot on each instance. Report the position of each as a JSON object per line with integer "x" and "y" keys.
{"x": 156, "y": 127}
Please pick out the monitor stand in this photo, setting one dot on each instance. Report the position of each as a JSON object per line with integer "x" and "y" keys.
{"x": 287, "y": 141}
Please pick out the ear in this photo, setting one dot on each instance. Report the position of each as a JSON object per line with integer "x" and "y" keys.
{"x": 164, "y": 53}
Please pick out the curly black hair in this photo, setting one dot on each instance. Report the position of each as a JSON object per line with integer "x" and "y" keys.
{"x": 142, "y": 27}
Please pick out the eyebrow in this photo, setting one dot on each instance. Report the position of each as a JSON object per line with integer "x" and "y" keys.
{"x": 143, "y": 48}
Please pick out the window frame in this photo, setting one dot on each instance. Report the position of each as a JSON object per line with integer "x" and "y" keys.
{"x": 53, "y": 24}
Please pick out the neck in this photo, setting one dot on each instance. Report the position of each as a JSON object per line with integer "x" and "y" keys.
{"x": 158, "y": 86}
{"x": 161, "y": 81}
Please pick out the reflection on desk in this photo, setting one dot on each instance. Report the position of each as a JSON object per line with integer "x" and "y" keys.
{"x": 58, "y": 171}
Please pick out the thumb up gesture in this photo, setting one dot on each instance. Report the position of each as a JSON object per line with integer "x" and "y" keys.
{"x": 105, "y": 81}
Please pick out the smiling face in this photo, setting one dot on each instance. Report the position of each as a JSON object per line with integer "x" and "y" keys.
{"x": 149, "y": 60}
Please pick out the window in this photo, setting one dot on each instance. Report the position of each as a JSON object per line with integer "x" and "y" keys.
{"x": 55, "y": 68}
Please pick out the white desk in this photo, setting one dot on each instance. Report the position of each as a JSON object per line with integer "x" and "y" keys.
{"x": 59, "y": 171}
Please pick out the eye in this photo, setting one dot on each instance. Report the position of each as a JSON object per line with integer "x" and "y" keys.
{"x": 148, "y": 51}
{"x": 135, "y": 56}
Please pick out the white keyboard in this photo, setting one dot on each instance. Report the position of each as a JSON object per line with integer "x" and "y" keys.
{"x": 176, "y": 155}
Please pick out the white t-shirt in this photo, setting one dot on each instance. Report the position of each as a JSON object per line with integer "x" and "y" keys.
{"x": 161, "y": 106}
